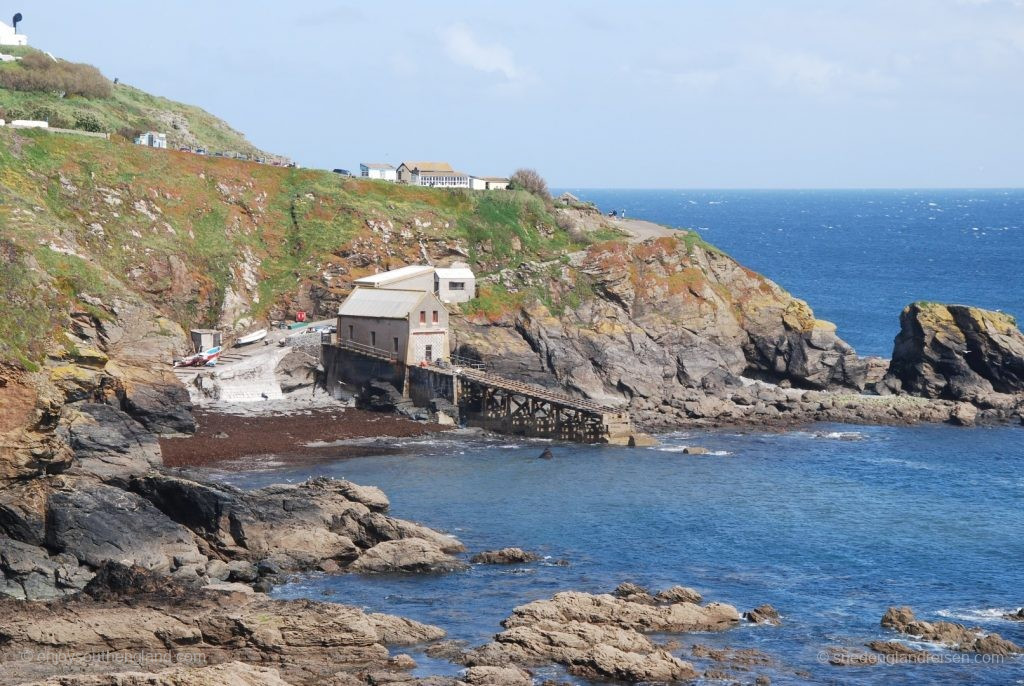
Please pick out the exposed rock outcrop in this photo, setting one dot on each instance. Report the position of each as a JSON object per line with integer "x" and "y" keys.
{"x": 131, "y": 612}
{"x": 957, "y": 636}
{"x": 601, "y": 636}
{"x": 505, "y": 556}
{"x": 957, "y": 352}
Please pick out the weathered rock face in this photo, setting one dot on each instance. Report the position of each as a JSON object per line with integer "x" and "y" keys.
{"x": 957, "y": 352}
{"x": 664, "y": 322}
{"x": 958, "y": 636}
{"x": 602, "y": 636}
{"x": 406, "y": 555}
{"x": 140, "y": 613}
{"x": 96, "y": 523}
{"x": 227, "y": 674}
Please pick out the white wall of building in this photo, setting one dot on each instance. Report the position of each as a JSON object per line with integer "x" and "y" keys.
{"x": 9, "y": 37}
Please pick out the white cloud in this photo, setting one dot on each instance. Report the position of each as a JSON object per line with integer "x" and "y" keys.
{"x": 464, "y": 48}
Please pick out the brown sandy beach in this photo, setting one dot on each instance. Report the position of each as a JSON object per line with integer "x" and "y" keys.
{"x": 224, "y": 437}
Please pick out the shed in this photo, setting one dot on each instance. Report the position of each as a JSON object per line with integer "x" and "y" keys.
{"x": 455, "y": 284}
{"x": 204, "y": 339}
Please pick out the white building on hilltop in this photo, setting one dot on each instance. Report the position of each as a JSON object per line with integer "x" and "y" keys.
{"x": 153, "y": 139}
{"x": 9, "y": 37}
{"x": 378, "y": 170}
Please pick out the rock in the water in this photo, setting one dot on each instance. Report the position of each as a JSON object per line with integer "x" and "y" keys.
{"x": 601, "y": 636}
{"x": 958, "y": 636}
{"x": 1017, "y": 616}
{"x": 766, "y": 614}
{"x": 405, "y": 555}
{"x": 695, "y": 450}
{"x": 679, "y": 594}
{"x": 505, "y": 556}
{"x": 634, "y": 593}
{"x": 957, "y": 352}
{"x": 546, "y": 454}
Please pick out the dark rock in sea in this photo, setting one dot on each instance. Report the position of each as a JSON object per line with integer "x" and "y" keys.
{"x": 1017, "y": 616}
{"x": 695, "y": 450}
{"x": 546, "y": 454}
{"x": 505, "y": 556}
{"x": 957, "y": 352}
{"x": 966, "y": 640}
{"x": 95, "y": 522}
{"x": 766, "y": 614}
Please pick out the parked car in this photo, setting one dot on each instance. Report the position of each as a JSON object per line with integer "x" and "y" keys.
{"x": 343, "y": 172}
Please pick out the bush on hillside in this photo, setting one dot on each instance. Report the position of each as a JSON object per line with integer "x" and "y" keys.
{"x": 530, "y": 180}
{"x": 39, "y": 72}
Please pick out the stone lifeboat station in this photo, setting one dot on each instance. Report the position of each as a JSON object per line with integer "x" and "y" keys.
{"x": 394, "y": 328}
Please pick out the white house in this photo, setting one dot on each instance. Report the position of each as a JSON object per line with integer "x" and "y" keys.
{"x": 378, "y": 170}
{"x": 9, "y": 37}
{"x": 153, "y": 139}
{"x": 496, "y": 183}
{"x": 455, "y": 284}
{"x": 411, "y": 325}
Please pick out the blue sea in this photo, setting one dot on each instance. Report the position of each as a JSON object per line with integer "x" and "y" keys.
{"x": 831, "y": 524}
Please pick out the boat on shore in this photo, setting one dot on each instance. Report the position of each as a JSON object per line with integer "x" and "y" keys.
{"x": 251, "y": 338}
{"x": 207, "y": 357}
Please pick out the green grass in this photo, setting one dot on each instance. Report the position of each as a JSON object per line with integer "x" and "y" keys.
{"x": 127, "y": 108}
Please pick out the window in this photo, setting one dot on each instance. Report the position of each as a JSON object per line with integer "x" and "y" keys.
{"x": 457, "y": 286}
{"x": 423, "y": 316}
{"x": 395, "y": 341}
{"x": 433, "y": 317}
{"x": 351, "y": 332}
{"x": 428, "y": 353}
{"x": 373, "y": 338}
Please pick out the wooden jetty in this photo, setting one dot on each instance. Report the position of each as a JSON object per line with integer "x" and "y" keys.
{"x": 499, "y": 404}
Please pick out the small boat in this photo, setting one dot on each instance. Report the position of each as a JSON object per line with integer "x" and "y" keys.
{"x": 251, "y": 337}
{"x": 199, "y": 359}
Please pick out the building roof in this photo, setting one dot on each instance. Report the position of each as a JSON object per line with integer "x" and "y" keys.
{"x": 394, "y": 275}
{"x": 381, "y": 302}
{"x": 376, "y": 165}
{"x": 499, "y": 179}
{"x": 429, "y": 166}
{"x": 454, "y": 273}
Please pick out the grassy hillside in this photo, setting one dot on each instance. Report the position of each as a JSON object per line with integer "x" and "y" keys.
{"x": 126, "y": 109}
{"x": 209, "y": 241}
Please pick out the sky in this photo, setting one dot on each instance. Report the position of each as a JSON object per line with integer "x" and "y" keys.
{"x": 639, "y": 94}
